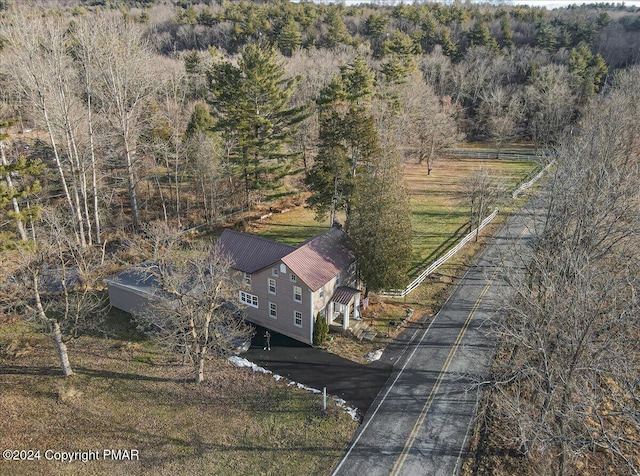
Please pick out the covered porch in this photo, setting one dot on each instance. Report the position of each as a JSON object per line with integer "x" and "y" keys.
{"x": 344, "y": 305}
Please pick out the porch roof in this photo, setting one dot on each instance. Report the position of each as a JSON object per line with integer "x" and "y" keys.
{"x": 344, "y": 295}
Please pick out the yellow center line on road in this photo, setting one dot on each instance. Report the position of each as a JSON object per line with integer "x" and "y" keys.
{"x": 427, "y": 405}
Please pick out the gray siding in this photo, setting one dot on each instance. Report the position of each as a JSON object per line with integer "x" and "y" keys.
{"x": 127, "y": 299}
{"x": 283, "y": 299}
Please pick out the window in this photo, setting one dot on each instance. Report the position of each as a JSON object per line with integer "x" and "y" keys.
{"x": 297, "y": 318}
{"x": 283, "y": 268}
{"x": 274, "y": 272}
{"x": 248, "y": 299}
{"x": 273, "y": 310}
{"x": 293, "y": 278}
{"x": 247, "y": 279}
{"x": 321, "y": 293}
{"x": 272, "y": 286}
{"x": 297, "y": 294}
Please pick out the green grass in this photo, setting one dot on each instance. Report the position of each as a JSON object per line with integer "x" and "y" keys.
{"x": 292, "y": 227}
{"x": 439, "y": 210}
{"x": 439, "y": 214}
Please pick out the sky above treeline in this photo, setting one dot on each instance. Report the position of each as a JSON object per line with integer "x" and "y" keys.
{"x": 534, "y": 3}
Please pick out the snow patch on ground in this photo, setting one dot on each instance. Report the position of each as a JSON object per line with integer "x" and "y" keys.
{"x": 374, "y": 355}
{"x": 241, "y": 362}
{"x": 353, "y": 412}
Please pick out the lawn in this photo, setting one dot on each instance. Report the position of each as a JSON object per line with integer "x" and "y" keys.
{"x": 127, "y": 395}
{"x": 440, "y": 215}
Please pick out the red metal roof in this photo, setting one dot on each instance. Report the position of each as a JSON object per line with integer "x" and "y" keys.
{"x": 321, "y": 258}
{"x": 251, "y": 253}
{"x": 344, "y": 295}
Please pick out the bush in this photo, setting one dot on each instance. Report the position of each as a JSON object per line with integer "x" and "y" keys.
{"x": 320, "y": 330}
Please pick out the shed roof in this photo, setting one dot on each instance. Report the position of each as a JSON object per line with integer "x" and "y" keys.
{"x": 321, "y": 258}
{"x": 140, "y": 278}
{"x": 251, "y": 253}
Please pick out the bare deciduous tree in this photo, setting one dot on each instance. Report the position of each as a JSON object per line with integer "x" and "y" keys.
{"x": 126, "y": 78}
{"x": 568, "y": 373}
{"x": 426, "y": 124}
{"x": 193, "y": 311}
{"x": 56, "y": 284}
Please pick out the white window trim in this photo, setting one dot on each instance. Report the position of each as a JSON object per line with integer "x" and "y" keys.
{"x": 274, "y": 272}
{"x": 247, "y": 279}
{"x": 295, "y": 318}
{"x": 294, "y": 294}
{"x": 293, "y": 278}
{"x": 274, "y": 306}
{"x": 248, "y": 299}
{"x": 269, "y": 280}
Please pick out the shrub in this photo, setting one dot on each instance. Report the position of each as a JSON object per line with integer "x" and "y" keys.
{"x": 320, "y": 330}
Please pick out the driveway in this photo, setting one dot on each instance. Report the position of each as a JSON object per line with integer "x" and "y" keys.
{"x": 358, "y": 384}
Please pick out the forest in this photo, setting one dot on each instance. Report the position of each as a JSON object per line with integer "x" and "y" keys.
{"x": 125, "y": 124}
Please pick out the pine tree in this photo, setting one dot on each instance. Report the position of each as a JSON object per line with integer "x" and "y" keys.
{"x": 251, "y": 107}
{"x": 481, "y": 36}
{"x": 18, "y": 183}
{"x": 348, "y": 138}
{"x": 289, "y": 37}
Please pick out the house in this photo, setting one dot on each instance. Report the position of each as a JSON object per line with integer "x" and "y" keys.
{"x": 285, "y": 287}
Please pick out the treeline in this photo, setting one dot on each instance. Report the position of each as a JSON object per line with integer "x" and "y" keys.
{"x": 194, "y": 112}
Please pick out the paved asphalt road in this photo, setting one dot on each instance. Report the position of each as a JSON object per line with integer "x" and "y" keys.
{"x": 421, "y": 420}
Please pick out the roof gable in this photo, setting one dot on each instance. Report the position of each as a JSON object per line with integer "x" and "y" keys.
{"x": 321, "y": 258}
{"x": 251, "y": 253}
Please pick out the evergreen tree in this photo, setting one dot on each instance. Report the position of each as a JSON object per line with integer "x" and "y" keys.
{"x": 289, "y": 37}
{"x": 481, "y": 36}
{"x": 379, "y": 224}
{"x": 588, "y": 69}
{"x": 18, "y": 183}
{"x": 337, "y": 32}
{"x": 320, "y": 330}
{"x": 507, "y": 32}
{"x": 251, "y": 107}
{"x": 348, "y": 138}
{"x": 449, "y": 47}
{"x": 201, "y": 120}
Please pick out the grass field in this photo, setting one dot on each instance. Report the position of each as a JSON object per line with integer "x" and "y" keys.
{"x": 440, "y": 215}
{"x": 126, "y": 395}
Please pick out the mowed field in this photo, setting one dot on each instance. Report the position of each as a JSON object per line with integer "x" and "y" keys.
{"x": 439, "y": 207}
{"x": 127, "y": 396}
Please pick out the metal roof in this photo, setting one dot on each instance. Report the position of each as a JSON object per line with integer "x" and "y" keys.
{"x": 321, "y": 258}
{"x": 251, "y": 253}
{"x": 344, "y": 295}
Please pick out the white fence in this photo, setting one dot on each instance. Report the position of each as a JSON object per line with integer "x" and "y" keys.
{"x": 528, "y": 184}
{"x": 440, "y": 261}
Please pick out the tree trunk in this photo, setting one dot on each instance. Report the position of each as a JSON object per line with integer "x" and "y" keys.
{"x": 56, "y": 332}
{"x": 62, "y": 349}
{"x": 63, "y": 180}
{"x": 200, "y": 370}
{"x": 14, "y": 202}
{"x": 133, "y": 198}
